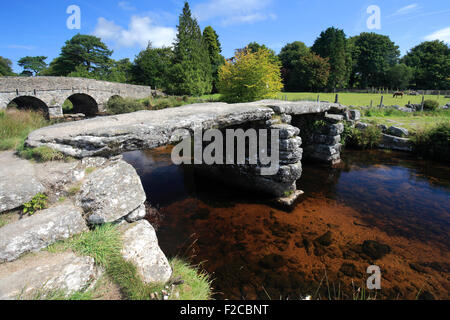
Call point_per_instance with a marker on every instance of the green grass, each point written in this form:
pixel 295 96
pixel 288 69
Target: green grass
pixel 104 245
pixel 361 99
pixel 15 125
pixel 42 154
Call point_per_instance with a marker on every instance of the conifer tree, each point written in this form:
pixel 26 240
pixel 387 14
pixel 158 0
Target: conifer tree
pixel 191 71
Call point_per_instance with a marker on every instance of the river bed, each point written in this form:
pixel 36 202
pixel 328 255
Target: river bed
pixel 253 250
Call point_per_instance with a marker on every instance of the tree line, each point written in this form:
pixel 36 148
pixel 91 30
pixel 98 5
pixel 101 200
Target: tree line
pixel 191 66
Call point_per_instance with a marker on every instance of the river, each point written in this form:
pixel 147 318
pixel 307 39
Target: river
pixel 253 250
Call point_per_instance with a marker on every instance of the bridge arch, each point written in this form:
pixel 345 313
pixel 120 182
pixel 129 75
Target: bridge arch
pixel 29 103
pixel 83 103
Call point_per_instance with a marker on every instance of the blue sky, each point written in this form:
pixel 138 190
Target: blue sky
pixel 39 27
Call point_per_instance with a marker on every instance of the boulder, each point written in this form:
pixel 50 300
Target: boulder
pixel 111 193
pixel 46 273
pixel 355 115
pixel 39 231
pixel 140 246
pixel 397 132
pixel 137 214
pixel 382 127
pixel 395 143
pixel 375 250
pixel 362 125
pixel 18 183
pixel 286 131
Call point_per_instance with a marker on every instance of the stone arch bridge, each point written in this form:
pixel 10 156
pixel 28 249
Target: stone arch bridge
pixel 48 94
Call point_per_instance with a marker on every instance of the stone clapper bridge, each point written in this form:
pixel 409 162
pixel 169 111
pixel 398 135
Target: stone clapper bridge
pixel 309 130
pixel 88 96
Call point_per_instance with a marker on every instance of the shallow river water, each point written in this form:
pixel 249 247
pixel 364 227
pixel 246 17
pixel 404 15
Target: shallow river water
pixel 253 250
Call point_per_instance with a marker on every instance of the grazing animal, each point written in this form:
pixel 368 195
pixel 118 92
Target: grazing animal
pixel 398 94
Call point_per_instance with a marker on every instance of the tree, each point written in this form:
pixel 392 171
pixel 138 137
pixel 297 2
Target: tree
pixel 373 55
pixel 250 76
pixel 191 72
pixel 35 65
pixel 5 67
pixel 82 50
pixel 431 63
pixel 211 40
pixel 309 73
pixel 152 67
pixel 399 76
pixel 332 44
pixel 255 47
pixel 289 54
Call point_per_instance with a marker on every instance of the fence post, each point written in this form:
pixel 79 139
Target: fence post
pixel 337 98
pixel 381 102
pixel 423 102
pixel 318 97
pixel 371 104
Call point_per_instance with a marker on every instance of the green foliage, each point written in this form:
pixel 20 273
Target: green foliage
pixel 39 202
pixel 251 76
pixel 372 54
pixel 82 50
pixel 152 67
pixel 191 73
pixel 5 67
pixel 399 76
pixel 255 47
pixel 211 40
pixel 368 138
pixel 433 143
pixel 119 105
pixel 15 125
pixel 431 61
pixel 310 73
pixel 332 44
pixel 33 64
pixel 430 105
pixel 41 154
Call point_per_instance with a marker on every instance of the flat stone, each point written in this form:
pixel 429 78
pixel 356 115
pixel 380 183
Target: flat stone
pixel 397 131
pixel 290 200
pixel 46 273
pixel 362 125
pixel 395 143
pixel 290 144
pixel 111 193
pixel 18 183
pixel 297 107
pixel 39 231
pixel 140 246
pixel 286 131
pixel 334 118
pixel 355 115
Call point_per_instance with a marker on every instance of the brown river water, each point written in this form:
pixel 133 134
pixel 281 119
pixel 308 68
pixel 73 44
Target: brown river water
pixel 253 250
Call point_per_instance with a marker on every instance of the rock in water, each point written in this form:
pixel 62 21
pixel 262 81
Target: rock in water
pixel 18 183
pixel 140 246
pixel 375 250
pixel 111 193
pixel 39 231
pixel 46 273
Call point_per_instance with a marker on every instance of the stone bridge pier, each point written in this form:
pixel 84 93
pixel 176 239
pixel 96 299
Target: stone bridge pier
pixel 48 94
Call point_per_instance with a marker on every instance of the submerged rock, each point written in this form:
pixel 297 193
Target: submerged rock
pixel 111 193
pixel 18 183
pixel 39 231
pixel 46 273
pixel 375 250
pixel 140 246
pixel 395 143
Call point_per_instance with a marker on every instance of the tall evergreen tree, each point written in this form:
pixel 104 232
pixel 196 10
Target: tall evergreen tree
pixel 211 40
pixel 191 71
pixel 332 44
pixel 5 67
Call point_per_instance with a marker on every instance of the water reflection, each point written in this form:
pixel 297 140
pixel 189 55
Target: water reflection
pixel 256 251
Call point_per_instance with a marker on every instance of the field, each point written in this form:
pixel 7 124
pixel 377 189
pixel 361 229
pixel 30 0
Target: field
pixel 361 99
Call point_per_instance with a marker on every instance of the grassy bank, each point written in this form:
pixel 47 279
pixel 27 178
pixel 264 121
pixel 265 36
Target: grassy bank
pixel 15 125
pixel 104 245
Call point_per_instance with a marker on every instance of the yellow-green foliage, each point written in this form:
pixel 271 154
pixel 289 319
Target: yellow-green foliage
pixel 41 154
pixel 250 77
pixel 38 202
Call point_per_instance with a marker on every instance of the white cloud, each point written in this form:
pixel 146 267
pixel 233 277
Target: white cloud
pixel 405 10
pixel 126 6
pixel 140 31
pixel 19 46
pixel 443 35
pixel 230 12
